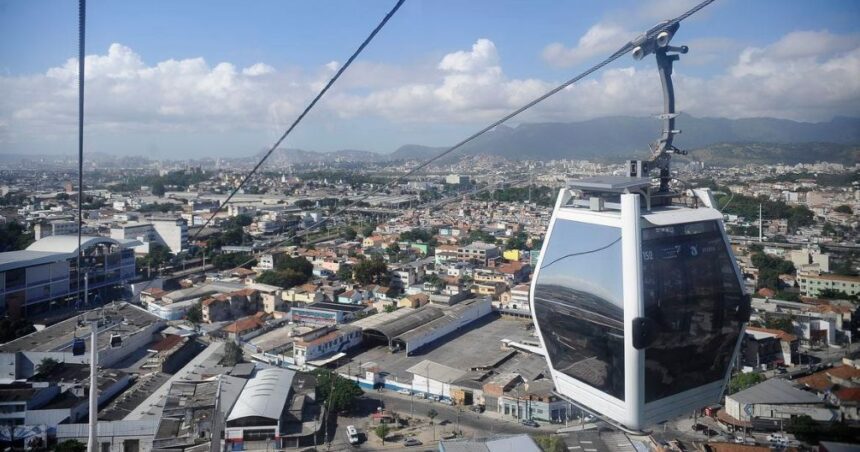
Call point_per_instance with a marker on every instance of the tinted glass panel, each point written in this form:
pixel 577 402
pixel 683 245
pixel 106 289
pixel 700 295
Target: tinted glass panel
pixel 692 294
pixel 579 304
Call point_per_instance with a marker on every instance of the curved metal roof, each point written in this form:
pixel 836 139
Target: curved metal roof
pixel 69 243
pixel 417 318
pixel 265 395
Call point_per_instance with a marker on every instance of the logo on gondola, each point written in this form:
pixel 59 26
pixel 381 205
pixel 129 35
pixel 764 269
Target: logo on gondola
pixel 693 250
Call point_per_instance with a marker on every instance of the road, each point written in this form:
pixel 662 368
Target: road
pixel 473 425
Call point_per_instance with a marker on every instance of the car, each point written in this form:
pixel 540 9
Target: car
pixel 478 408
pixel 738 439
pixel 408 442
pixel 405 391
pixel 420 395
pixel 589 418
pixel 776 437
pixel 529 423
pixel 447 401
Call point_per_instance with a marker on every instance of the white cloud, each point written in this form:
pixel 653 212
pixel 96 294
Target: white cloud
pixel 600 39
pixel 810 75
pixel 258 69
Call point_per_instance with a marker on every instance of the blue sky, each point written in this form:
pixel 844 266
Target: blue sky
pixel 224 78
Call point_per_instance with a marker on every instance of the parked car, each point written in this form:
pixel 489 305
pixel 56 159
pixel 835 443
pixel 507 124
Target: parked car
pixel 405 391
pixel 478 408
pixel 411 442
pixel 589 418
pixel 529 423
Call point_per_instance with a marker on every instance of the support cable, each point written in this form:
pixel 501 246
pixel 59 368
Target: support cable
pixel 307 109
pixel 626 48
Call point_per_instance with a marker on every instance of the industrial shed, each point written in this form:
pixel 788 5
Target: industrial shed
pixel 410 329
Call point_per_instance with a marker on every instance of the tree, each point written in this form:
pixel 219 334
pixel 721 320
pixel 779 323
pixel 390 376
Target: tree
pixel 833 294
pixel 551 443
pixel 382 430
pixel 744 380
pixel 297 264
pixel 349 234
pixel 339 393
pixel 432 414
pixel 371 271
pixel 226 261
pixel 13 329
pixel 390 308
pixel 232 354
pixel 367 231
pixel 195 313
pixel 780 323
pixel 344 273
pixel 282 278
pixel 71 445
pixel 844 209
pixel 393 250
pixel 47 365
pixel 14 237
pixel 158 189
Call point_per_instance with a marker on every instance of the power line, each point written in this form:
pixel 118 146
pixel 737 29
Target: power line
pixel 307 109
pixel 626 48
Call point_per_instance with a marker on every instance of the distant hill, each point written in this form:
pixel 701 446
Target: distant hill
pixel 736 154
pixel 628 136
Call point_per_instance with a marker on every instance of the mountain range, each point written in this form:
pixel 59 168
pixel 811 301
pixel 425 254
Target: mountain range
pixel 722 141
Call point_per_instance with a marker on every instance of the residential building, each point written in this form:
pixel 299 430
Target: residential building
pixel 479 252
pixel 325 342
pixel 811 284
pixel 772 404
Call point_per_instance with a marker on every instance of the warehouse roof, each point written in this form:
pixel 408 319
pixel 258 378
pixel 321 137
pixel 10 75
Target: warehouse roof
pixel 774 391
pixel 265 395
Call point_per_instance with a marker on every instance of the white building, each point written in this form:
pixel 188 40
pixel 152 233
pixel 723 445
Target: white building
pixel 172 233
pixel 60 227
pixel 325 342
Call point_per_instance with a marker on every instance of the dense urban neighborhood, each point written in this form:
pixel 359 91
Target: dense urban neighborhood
pixel 304 306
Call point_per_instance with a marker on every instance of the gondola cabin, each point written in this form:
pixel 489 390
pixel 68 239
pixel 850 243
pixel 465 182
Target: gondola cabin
pixel 637 300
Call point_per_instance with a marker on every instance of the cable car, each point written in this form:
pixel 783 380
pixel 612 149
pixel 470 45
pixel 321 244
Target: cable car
pixel 636 297
pixel 115 341
pixel 79 347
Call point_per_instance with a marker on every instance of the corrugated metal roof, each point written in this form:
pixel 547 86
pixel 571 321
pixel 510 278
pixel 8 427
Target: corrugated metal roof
pixel 435 371
pixel 108 429
pixel 265 395
pixel 774 391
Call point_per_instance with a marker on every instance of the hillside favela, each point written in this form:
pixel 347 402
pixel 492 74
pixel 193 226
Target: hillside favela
pixel 421 225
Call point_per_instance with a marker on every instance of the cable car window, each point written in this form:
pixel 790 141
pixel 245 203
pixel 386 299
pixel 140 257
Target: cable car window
pixel 692 294
pixel 578 302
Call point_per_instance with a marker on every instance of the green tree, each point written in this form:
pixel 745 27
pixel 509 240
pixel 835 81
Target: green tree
pixel 13 329
pixel 233 354
pixel 432 414
pixel 390 308
pixel 371 271
pixel 550 443
pixel 47 365
pixel 844 209
pixel 226 261
pixel 367 231
pixel 382 430
pixel 344 273
pixel 195 313
pixel 70 445
pixel 744 380
pixel 339 393
pixel 298 264
pixel 393 250
pixel 833 294
pixel 780 323
pixel 158 189
pixel 14 237
pixel 349 234
pixel 282 278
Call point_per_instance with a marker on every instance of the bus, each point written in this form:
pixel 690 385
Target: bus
pixel 351 434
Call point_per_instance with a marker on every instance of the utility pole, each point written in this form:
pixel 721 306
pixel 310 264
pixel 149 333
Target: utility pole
pixel 760 234
pixel 92 445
